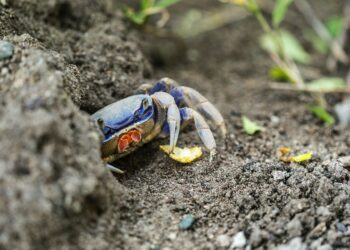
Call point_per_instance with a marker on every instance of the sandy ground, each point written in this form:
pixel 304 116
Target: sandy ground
pixel 56 191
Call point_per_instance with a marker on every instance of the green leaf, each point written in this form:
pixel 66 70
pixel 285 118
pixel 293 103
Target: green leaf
pixel 322 114
pixel 326 84
pixel 250 127
pixel 279 11
pixel 284 43
pixel 335 26
pixel 165 3
pixel 317 43
pixel 135 17
pixel 146 4
pixel 278 74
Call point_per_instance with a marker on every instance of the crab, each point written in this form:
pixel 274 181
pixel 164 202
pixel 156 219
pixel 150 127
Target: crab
pixel 162 110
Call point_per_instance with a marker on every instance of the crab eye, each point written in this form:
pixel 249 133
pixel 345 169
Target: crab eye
pixel 145 104
pixel 100 123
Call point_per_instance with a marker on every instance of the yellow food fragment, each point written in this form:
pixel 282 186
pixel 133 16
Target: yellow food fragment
pixel 183 155
pixel 302 158
pixel 284 150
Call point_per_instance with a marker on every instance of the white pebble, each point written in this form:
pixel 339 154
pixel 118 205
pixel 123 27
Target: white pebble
pixel 239 240
pixel 223 240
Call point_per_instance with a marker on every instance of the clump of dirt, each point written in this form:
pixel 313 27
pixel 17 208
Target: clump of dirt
pixel 53 184
pixel 56 193
pixel 97 47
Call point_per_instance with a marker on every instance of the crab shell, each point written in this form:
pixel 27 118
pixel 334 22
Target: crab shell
pixel 126 125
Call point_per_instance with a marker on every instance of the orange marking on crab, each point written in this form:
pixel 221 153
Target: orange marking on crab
pixel 128 138
pixel 135 136
pixel 123 144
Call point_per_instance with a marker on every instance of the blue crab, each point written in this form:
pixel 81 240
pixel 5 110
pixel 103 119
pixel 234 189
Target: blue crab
pixel 163 110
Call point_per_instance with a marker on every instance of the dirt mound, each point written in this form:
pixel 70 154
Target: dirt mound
pixel 55 190
pixel 101 54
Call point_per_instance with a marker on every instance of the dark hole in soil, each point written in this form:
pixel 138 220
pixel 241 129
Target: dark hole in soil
pixel 64 17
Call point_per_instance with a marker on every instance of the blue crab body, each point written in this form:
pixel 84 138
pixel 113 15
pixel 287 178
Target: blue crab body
pixel 135 113
pixel 165 109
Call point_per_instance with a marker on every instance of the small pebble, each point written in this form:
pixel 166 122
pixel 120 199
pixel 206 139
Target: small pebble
pixel 318 230
pixel 155 248
pixel 293 244
pixel 239 240
pixel 279 175
pixel 341 227
pixel 186 222
pixel 4 71
pixel 325 247
pixel 294 227
pixel 6 50
pixel 172 236
pixel 223 240
pixel 275 120
pixel 345 161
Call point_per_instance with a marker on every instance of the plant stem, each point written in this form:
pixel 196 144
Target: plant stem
pixel 309 14
pixel 261 19
pixel 288 66
pixel 282 86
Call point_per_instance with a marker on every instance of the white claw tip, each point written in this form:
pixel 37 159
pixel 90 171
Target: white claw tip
pixel 211 155
pixel 223 130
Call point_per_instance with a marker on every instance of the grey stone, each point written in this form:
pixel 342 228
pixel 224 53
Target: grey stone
pixel 239 240
pixel 223 240
pixel 293 244
pixel 279 175
pixel 6 50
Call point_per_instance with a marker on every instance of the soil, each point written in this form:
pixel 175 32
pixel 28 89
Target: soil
pixel 55 190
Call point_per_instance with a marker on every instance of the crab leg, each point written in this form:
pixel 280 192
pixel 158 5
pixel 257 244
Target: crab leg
pixel 163 85
pixel 173 115
pixel 203 130
pixel 193 99
pixel 114 169
pixel 188 97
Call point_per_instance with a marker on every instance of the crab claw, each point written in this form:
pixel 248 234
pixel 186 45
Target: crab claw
pixel 174 125
pixel 135 136
pixel 166 101
pixel 202 128
pixel 123 143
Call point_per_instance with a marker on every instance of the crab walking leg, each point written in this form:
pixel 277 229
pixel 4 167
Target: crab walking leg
pixel 188 97
pixel 163 85
pixel 166 101
pixel 114 169
pixel 203 130
pixel 193 99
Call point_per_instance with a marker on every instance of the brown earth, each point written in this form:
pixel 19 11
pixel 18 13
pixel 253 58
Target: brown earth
pixel 55 191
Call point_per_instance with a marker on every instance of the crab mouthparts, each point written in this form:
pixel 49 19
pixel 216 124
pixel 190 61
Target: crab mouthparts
pixel 128 138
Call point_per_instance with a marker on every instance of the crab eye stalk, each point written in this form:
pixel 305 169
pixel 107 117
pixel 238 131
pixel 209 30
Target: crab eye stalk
pixel 145 104
pixel 100 123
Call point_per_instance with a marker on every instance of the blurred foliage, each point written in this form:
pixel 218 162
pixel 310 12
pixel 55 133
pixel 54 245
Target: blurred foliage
pixel 250 127
pixel 279 74
pixel 322 114
pixel 147 8
pixel 285 45
pixel 335 25
pixel 326 84
pixel 279 11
